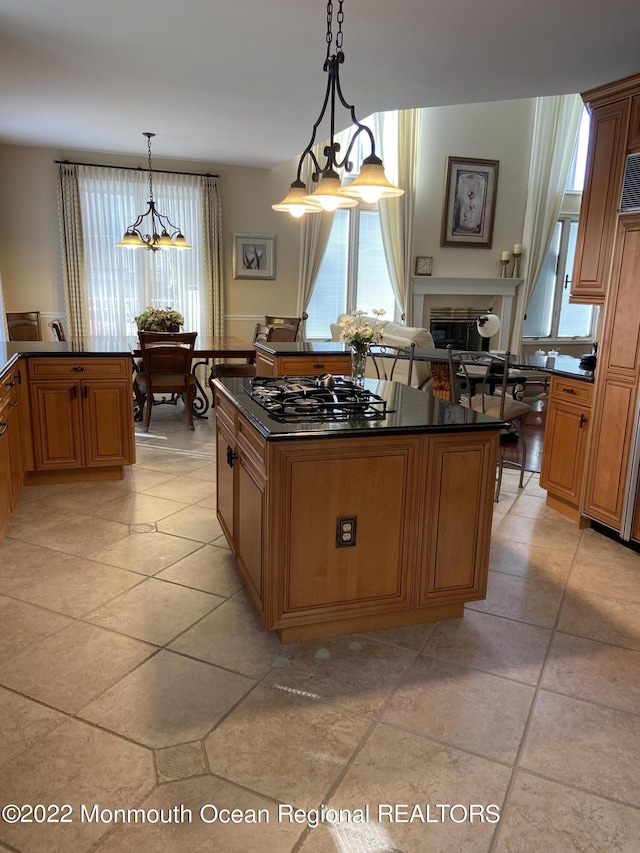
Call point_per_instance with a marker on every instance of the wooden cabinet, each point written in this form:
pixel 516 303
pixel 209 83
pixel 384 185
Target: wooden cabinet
pixel 12 418
pixel 267 364
pixel 565 443
pixel 5 469
pixel 600 199
pixel 417 510
pixel 241 480
pixel 82 412
pixel 617 378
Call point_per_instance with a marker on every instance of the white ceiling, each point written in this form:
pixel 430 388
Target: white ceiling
pixel 242 82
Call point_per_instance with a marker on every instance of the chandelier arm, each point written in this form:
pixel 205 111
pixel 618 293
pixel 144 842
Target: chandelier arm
pixel 307 150
pixel 361 127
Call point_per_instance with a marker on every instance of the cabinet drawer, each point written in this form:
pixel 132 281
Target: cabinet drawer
pixel 225 412
pixel 65 368
pixel 314 365
pixel 572 390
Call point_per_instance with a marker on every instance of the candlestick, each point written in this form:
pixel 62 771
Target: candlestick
pixel 504 261
pixel 516 261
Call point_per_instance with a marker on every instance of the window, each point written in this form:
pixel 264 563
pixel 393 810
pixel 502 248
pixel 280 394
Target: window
pixel 549 313
pixel 575 180
pixel 119 282
pixel 353 274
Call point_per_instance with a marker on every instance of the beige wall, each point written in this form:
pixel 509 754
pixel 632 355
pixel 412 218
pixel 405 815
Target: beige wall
pixel 30 260
pixel 29 237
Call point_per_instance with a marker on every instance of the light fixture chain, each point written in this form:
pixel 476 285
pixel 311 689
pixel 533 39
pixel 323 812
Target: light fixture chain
pixel 339 19
pixel 329 35
pixel 150 169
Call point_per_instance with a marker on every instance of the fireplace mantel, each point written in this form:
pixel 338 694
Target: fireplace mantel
pixel 505 288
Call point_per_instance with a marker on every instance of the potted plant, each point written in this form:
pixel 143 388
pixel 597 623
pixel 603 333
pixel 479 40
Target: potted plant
pixel 159 320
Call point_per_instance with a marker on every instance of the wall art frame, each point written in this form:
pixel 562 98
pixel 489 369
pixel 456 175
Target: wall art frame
pixel 254 256
pixel 471 187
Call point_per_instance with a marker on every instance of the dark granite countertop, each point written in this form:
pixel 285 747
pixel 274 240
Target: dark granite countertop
pixel 562 365
pixel 10 351
pixel 408 411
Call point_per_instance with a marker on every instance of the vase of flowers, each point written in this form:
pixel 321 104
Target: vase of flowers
pixel 159 320
pixel 359 332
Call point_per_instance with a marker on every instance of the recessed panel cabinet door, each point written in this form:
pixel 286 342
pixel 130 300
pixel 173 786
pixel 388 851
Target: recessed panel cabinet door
pixel 107 408
pixel 225 460
pixel 57 424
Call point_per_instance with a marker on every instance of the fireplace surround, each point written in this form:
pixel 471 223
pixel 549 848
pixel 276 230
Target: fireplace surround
pixel 483 292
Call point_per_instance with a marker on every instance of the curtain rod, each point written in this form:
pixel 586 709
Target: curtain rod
pixel 137 169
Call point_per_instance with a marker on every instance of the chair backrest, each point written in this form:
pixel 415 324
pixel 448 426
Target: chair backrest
pixel 482 376
pixel 24 325
pixel 284 321
pixel 57 329
pixel 277 332
pixel 394 363
pixel 166 353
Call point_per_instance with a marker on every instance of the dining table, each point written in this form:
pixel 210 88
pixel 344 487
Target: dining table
pixel 207 349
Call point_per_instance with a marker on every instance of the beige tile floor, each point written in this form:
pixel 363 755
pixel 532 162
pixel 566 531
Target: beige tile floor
pixel 135 674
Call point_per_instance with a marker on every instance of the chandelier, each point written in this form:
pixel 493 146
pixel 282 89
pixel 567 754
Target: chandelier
pixel 161 233
pixel 371 184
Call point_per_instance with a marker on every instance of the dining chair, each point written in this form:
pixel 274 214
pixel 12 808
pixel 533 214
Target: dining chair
pixel 394 363
pixel 480 381
pixel 279 332
pixel 24 326
pixel 166 369
pixel 285 321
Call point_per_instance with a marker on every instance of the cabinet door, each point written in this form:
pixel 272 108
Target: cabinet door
pixel 15 452
pixel 5 474
pixel 57 424
pixel 564 450
pixel 600 199
pixel 225 462
pixel 617 380
pixel 107 410
pixel 249 525
pixel 457 510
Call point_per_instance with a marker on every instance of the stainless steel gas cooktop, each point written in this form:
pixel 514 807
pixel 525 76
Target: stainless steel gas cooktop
pixel 297 399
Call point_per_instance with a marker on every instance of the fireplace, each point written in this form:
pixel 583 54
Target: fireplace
pixel 500 293
pixel 457 326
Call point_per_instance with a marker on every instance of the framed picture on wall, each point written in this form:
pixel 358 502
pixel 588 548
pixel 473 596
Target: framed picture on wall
pixel 469 202
pixel 254 256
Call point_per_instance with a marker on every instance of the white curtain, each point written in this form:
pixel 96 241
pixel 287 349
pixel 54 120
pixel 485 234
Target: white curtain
pixel 399 133
pixel 120 283
pixel 555 135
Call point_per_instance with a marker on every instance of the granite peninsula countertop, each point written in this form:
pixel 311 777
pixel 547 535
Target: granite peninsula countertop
pixel 11 351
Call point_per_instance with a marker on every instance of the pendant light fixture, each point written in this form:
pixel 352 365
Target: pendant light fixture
pixel 161 232
pixel 371 184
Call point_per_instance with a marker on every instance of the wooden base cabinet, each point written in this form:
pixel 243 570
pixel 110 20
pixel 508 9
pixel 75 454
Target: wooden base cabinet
pixel 338 364
pixel 355 533
pixel 565 444
pixel 82 413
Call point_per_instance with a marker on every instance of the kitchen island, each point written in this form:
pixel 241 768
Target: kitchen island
pixel 356 524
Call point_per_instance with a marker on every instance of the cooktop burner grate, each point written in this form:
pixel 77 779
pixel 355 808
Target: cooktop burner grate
pixel 299 399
